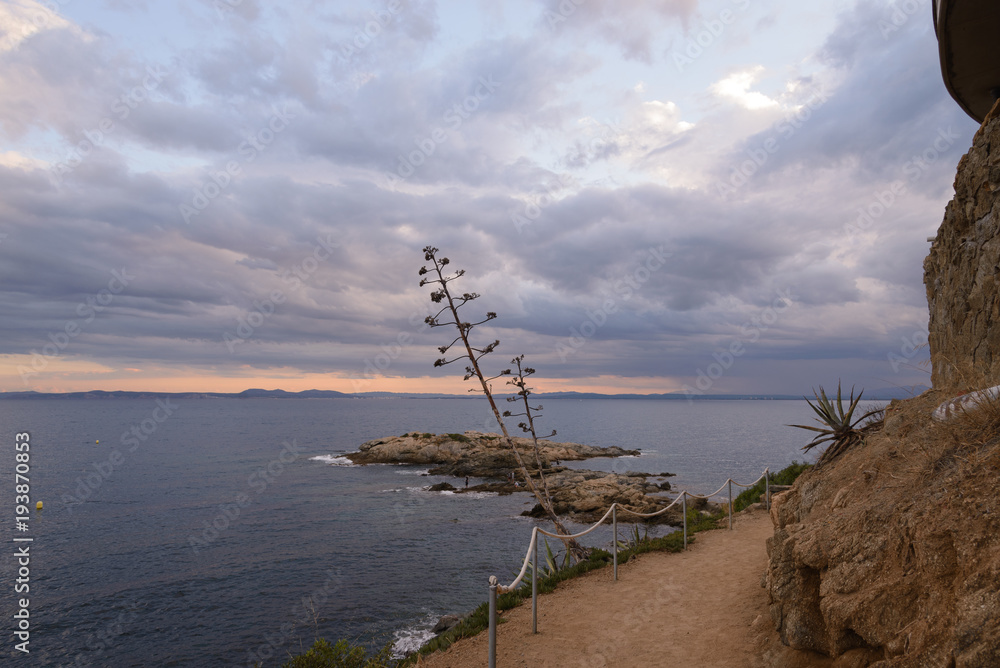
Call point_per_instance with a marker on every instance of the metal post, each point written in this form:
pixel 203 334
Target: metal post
pixel 493 621
pixel 730 504
pixel 767 489
pixel 684 510
pixel 534 585
pixel 614 523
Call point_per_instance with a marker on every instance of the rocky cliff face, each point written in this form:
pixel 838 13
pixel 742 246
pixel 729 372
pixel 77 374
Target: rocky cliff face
pixel 889 556
pixel 962 272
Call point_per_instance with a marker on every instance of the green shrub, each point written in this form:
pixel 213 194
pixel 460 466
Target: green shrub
pixel 341 655
pixel 461 438
pixel 785 476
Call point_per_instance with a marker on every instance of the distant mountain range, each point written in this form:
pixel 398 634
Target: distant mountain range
pixel 883 394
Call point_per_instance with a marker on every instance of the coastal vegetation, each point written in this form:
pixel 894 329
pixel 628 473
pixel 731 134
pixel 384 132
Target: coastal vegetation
pixel 341 655
pixel 839 426
pixel 785 476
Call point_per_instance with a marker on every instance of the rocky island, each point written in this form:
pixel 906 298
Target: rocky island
pixel 579 494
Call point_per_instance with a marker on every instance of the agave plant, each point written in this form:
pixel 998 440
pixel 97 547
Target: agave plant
pixel 552 565
pixel 634 540
pixel 841 429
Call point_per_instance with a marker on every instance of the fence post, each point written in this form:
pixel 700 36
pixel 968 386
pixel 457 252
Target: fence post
pixel 614 523
pixel 767 489
pixel 493 622
pixel 684 510
pixel 534 584
pixel 730 504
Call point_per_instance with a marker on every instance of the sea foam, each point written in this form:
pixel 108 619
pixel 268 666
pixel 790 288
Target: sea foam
pixel 333 460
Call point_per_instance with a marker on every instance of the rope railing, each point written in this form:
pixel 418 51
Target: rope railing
pixel 531 557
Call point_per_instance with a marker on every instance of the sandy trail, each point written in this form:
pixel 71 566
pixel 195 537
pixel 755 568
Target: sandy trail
pixel 689 609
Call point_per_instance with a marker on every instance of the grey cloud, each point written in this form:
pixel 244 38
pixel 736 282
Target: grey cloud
pixel 631 25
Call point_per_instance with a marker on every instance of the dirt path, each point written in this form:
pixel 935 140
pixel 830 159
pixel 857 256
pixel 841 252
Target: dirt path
pixel 688 609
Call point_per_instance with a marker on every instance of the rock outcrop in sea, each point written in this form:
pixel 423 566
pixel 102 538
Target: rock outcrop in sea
pixel 579 494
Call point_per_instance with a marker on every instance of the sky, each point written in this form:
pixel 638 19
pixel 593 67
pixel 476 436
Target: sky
pixel 731 196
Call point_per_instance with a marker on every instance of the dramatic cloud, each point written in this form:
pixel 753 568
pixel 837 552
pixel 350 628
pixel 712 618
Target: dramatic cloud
pixel 229 194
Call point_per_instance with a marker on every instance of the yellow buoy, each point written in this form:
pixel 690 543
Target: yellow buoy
pixel 97 441
pixel 38 505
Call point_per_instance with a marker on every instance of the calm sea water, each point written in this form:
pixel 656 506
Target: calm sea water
pixel 201 538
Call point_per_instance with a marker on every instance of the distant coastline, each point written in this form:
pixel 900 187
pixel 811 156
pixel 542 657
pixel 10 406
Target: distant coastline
pixel 882 394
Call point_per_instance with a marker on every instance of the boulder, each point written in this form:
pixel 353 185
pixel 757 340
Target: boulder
pixel 442 487
pixel 446 623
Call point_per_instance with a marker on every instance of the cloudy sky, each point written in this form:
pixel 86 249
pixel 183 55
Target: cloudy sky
pixel 723 196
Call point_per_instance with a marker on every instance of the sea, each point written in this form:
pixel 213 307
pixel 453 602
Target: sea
pixel 232 532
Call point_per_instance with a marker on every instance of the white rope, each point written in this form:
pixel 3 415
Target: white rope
pixel 535 531
pixel 582 533
pixel 534 538
pixel 658 512
pixel 524 567
pixel 708 496
pixel 739 484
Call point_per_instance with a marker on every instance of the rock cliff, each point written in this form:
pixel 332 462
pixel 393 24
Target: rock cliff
pixel 889 556
pixel 962 272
